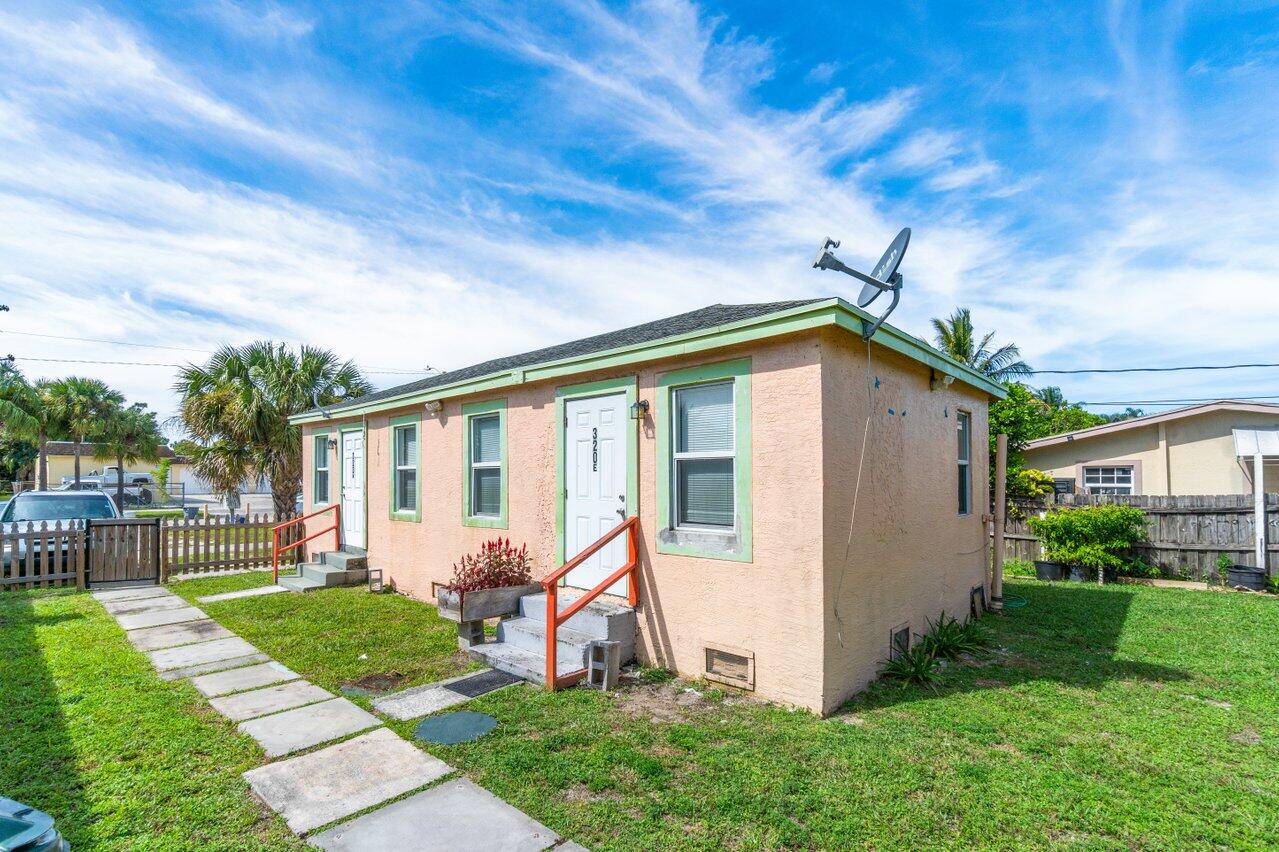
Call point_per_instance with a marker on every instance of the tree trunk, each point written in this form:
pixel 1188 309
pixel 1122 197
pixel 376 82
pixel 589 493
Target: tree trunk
pixel 79 439
pixel 43 466
pixel 119 483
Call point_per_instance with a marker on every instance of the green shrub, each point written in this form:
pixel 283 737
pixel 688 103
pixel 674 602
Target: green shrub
pixel 948 637
pixel 1097 537
pixel 914 666
pixel 1019 568
pixel 1223 566
pixel 653 674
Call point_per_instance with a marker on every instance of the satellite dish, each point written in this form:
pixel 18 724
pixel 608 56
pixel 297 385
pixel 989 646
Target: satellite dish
pixel 884 277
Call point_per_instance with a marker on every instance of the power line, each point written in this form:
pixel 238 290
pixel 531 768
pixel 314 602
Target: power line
pixel 176 366
pixel 100 340
pixel 1175 401
pixel 1148 369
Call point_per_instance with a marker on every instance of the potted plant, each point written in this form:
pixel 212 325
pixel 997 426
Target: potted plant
pixel 1087 541
pixel 488 584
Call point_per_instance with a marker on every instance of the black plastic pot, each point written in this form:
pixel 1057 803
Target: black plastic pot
pixel 1048 570
pixel 1247 577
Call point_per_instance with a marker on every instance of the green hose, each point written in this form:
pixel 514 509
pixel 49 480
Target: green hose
pixel 1015 602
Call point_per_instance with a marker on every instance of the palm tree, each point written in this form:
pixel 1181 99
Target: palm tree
pixel 955 337
pixel 237 406
pixel 81 405
pixel 131 435
pixel 1052 397
pixel 27 411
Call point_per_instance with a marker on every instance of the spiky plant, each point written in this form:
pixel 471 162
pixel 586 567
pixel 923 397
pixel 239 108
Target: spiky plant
pixel 238 404
pixel 955 336
pixel 915 666
pixel 950 638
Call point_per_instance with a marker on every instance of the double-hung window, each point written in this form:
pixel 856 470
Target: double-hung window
pixel 1110 479
pixel 964 429
pixel 404 469
pixel 320 470
pixel 484 457
pixel 704 456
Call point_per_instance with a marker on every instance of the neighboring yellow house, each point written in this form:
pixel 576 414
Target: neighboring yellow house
pixel 1184 451
pixel 61 461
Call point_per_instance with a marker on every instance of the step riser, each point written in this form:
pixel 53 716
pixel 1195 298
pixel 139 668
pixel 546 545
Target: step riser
pixel 532 675
pixel 617 626
pixel 330 576
pixel 345 561
pixel 535 643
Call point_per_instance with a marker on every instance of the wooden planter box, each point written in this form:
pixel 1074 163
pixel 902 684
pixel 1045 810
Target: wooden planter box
pixel 482 603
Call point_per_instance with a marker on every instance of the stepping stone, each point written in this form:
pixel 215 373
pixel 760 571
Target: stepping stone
pixel 238 680
pixel 421 700
pixel 243 593
pixel 136 593
pixel 318 788
pixel 307 726
pixel 454 815
pixel 159 617
pixel 272 699
pixel 215 666
pixel 203 652
pixel 169 635
pixel 145 605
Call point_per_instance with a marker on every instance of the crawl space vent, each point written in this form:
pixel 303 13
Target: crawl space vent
pixel 731 666
pixel 898 642
pixel 977 601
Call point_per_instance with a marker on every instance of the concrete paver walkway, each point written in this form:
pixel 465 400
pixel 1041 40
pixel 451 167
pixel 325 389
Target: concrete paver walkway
pixel 242 593
pixel 286 714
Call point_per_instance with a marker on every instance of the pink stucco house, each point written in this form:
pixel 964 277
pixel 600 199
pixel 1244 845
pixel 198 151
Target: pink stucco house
pixel 804 498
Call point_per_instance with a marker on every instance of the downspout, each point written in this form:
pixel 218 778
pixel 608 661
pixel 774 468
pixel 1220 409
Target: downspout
pixel 1163 445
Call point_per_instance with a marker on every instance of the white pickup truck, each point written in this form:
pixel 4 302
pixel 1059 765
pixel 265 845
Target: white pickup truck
pixel 110 477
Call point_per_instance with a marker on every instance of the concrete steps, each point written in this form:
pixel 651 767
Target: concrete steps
pixel 520 648
pixel 335 568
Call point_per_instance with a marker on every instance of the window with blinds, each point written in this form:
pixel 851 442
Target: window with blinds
pixel 486 466
pixel 404 487
pixel 704 457
pixel 320 472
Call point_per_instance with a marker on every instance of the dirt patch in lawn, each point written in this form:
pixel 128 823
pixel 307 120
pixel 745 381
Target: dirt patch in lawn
pixel 660 702
pixel 582 793
pixel 382 682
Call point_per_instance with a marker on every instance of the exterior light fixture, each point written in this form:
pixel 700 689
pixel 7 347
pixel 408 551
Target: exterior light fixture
pixel 939 382
pixel 333 444
pixel 639 409
pixel 434 406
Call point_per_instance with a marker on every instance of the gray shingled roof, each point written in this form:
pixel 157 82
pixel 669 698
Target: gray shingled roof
pixel 708 317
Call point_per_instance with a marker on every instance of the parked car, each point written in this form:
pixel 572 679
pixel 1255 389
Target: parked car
pixel 51 507
pixel 25 829
pixel 134 495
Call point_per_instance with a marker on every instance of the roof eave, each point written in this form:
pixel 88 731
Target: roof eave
pixel 1152 420
pixel 832 311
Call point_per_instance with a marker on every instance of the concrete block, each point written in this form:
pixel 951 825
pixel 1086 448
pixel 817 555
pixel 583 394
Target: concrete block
pixel 155 618
pixel 171 635
pixel 202 652
pixel 238 680
pixel 327 785
pixel 308 726
pixel 271 699
pixel 455 815
pixel 215 666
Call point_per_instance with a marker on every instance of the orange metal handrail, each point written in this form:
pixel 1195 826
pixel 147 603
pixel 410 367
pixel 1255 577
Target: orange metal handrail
pixel 554 618
pixel 276 549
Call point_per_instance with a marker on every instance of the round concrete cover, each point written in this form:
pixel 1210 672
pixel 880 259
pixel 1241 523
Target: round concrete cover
pixel 453 728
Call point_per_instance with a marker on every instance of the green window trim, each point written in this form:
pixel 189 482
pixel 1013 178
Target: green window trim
pixel 604 387
pixel 395 424
pixel 738 545
pixel 470 411
pixel 316 435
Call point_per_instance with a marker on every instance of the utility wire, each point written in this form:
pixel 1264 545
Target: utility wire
pixel 100 340
pixel 1175 401
pixel 1148 369
pixel 177 366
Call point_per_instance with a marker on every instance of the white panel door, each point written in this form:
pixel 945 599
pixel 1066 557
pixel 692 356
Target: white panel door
pixel 595 478
pixel 353 489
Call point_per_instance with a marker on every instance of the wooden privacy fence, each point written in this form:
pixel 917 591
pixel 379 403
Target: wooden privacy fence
pixel 80 553
pixel 1187 533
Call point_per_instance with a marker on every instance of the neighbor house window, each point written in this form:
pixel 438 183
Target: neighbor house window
pixel 320 478
pixel 1108 480
pixel 704 455
pixel 404 468
pixel 964 429
pixel 485 464
pixel 703 425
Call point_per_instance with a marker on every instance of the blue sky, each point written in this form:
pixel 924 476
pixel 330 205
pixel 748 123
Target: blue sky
pixel 436 184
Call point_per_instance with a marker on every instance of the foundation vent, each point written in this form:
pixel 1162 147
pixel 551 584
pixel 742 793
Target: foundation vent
pixel 898 641
pixel 732 666
pixel 977 601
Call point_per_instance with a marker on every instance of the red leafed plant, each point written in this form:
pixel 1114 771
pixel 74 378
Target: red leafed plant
pixel 497 564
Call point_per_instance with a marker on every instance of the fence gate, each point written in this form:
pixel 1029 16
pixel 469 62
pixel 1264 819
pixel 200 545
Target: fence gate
pixel 123 549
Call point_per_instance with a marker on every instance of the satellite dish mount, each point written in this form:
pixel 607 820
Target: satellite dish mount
pixel 884 278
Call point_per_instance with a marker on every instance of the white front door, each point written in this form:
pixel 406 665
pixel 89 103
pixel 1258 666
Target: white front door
pixel 595 486
pixel 353 489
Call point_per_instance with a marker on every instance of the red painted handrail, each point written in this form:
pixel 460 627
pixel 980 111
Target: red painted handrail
pixel 554 618
pixel 276 549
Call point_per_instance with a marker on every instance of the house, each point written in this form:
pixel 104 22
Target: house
pixel 1187 450
pixel 60 458
pixel 804 498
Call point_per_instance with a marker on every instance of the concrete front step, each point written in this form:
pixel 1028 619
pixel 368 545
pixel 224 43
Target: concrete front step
pixel 529 635
pixel 301 584
pixel 319 575
pixel 597 620
pixel 345 560
pixel 519 662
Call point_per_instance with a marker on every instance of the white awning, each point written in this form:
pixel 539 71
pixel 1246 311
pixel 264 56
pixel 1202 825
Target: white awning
pixel 1251 442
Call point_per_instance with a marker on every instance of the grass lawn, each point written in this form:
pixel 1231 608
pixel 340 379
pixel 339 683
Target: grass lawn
pixel 121 759
pixel 1118 717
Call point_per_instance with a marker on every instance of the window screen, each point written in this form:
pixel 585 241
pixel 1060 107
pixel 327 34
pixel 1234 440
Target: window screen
pixel 406 457
pixel 486 465
pixel 964 431
pixel 704 455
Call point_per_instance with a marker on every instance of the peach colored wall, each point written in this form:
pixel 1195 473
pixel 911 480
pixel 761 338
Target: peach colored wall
pixel 910 554
pixel 773 605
